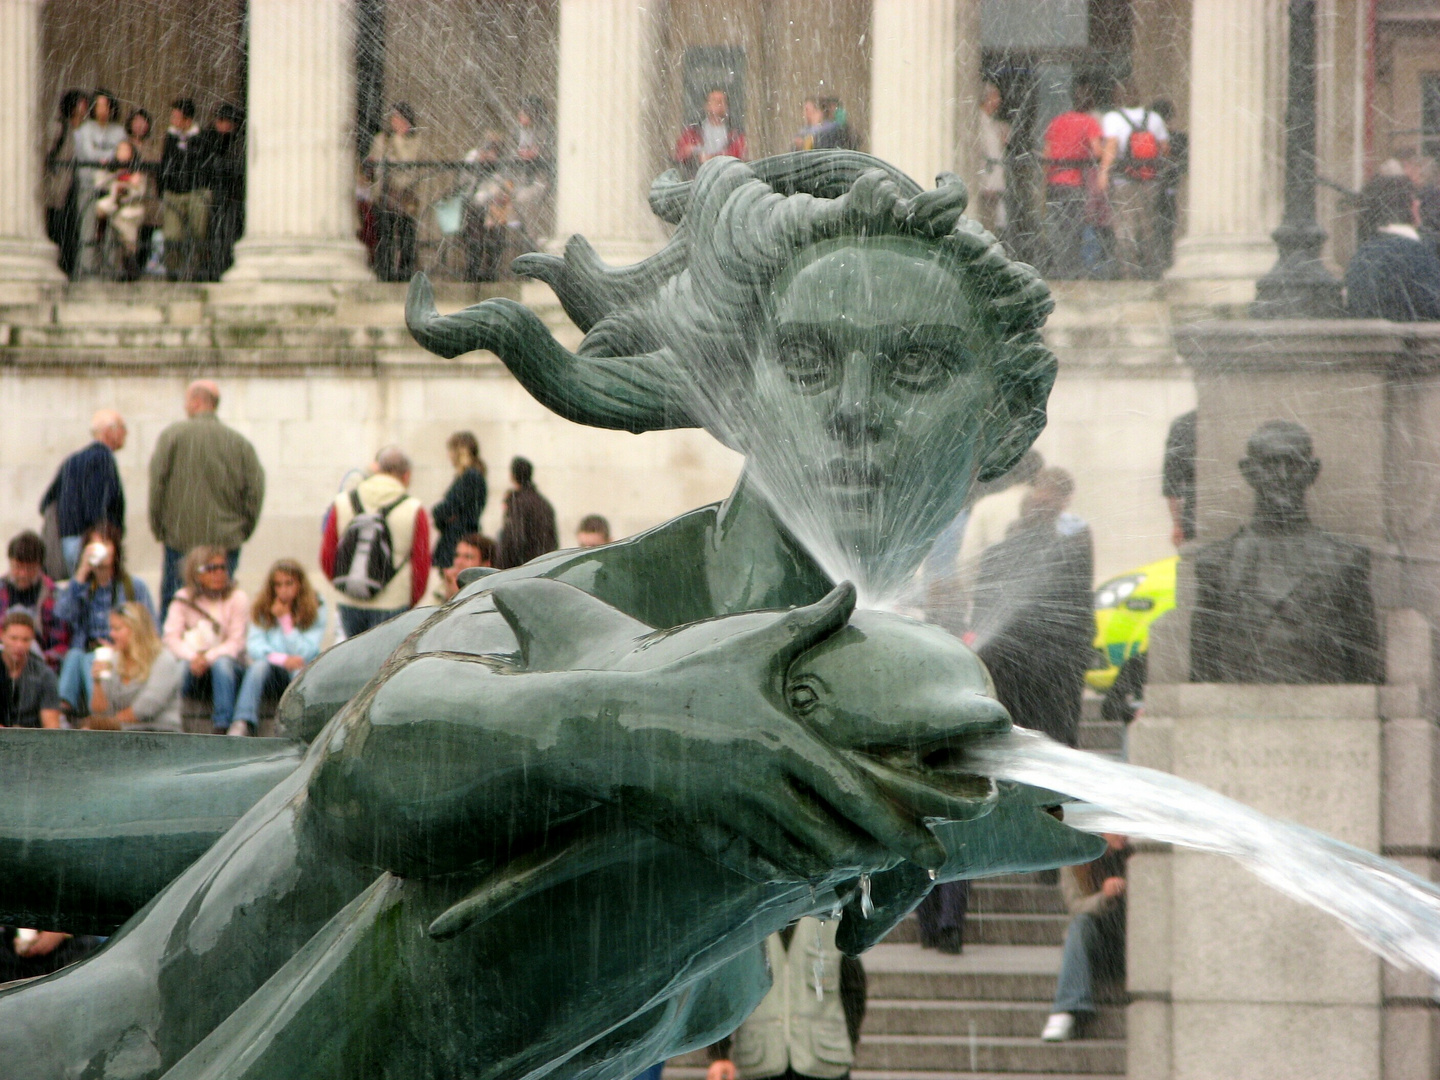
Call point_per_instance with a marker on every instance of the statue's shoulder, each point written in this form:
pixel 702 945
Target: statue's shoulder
pixel 1336 550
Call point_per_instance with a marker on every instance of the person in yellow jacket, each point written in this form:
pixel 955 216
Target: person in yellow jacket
pixel 809 1023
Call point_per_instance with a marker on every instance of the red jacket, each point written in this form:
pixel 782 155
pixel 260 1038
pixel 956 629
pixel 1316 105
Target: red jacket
pixel 692 139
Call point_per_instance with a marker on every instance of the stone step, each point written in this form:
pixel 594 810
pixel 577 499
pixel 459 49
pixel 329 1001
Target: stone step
pixel 993 1053
pixel 1016 1019
pixel 906 972
pixel 987 897
pixel 1101 735
pixel 675 1071
pixel 1002 928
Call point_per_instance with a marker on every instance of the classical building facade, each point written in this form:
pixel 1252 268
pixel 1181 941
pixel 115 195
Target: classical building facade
pixel 618 78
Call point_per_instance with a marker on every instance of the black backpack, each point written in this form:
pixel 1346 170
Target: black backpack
pixel 365 558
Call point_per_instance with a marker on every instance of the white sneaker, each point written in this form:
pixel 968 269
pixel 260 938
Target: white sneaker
pixel 1059 1028
pixel 239 727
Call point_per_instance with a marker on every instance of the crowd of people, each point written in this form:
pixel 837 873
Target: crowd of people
pixel 120 202
pixel 86 643
pixel 1111 174
pixel 494 203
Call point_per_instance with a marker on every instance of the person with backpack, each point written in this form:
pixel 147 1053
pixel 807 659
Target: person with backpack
pixel 1136 143
pixel 375 546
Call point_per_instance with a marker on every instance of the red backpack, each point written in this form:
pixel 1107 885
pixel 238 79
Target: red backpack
pixel 1140 147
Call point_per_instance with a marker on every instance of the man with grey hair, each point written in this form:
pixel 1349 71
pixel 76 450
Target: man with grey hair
pixel 86 490
pixel 375 547
pixel 206 486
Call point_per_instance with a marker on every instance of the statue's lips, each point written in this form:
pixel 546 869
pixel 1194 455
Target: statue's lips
pixel 936 792
pixel 854 483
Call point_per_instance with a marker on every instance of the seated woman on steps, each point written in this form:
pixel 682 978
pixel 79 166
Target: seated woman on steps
pixel 135 682
pixel 286 625
pixel 205 629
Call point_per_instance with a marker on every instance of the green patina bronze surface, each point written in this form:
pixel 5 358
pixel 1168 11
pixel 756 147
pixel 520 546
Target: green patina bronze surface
pixel 548 826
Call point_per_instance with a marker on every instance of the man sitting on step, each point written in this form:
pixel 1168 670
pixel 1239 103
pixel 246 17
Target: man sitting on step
pixel 1095 940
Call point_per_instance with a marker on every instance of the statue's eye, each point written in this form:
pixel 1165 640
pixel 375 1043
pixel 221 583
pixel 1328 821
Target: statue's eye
pixel 919 368
pixel 802 697
pixel 808 364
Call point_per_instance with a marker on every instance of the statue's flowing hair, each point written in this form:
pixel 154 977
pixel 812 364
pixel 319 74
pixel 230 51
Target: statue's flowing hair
pixel 689 316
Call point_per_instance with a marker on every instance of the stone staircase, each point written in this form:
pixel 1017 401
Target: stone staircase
pixel 978 1016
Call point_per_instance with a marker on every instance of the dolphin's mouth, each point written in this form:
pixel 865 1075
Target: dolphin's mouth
pixel 931 785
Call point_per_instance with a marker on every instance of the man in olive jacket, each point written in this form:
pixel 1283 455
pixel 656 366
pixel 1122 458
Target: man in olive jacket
pixel 206 486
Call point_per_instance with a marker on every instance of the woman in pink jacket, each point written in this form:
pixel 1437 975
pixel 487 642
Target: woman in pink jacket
pixel 205 628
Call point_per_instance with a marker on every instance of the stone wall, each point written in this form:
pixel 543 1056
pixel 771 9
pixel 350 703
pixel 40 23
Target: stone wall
pixel 319 384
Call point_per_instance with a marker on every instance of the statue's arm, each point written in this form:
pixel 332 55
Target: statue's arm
pixel 1206 662
pixel 1357 630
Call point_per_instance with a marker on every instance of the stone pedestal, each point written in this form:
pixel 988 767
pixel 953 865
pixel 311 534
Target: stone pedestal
pixel 1237 98
pixel 925 86
pixel 300 182
pixel 26 256
pixel 1230 979
pixel 604 157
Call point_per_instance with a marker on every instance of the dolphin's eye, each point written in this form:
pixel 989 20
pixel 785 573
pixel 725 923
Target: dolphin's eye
pixel 801 697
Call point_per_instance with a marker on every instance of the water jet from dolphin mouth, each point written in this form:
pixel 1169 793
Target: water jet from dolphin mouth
pixel 1391 911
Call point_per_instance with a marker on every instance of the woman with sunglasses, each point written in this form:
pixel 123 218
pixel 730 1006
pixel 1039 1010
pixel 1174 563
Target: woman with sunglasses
pixel 205 629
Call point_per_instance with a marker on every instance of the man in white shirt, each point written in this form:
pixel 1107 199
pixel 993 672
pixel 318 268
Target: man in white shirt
pixel 1136 142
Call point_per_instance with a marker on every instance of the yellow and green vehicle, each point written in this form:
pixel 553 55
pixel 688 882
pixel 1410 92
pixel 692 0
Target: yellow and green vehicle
pixel 1125 606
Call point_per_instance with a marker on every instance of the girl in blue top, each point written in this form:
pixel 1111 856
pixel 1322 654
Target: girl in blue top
pixel 286 625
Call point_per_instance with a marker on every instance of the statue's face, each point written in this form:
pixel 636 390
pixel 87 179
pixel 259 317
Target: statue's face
pixel 872 396
pixel 1280 467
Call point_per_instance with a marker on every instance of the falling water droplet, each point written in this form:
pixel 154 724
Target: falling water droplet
pixel 867 906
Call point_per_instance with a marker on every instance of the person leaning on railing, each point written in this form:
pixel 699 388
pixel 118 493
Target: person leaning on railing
pixel 396 192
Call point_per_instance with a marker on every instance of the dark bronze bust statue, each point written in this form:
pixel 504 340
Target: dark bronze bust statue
pixel 1282 601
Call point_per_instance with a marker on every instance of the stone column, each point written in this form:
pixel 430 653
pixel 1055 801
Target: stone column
pixel 604 157
pixel 924 86
pixel 25 254
pixel 299 196
pixel 1237 110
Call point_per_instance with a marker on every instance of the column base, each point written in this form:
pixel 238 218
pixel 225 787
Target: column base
pixel 1219 271
pixel 27 262
pixel 299 260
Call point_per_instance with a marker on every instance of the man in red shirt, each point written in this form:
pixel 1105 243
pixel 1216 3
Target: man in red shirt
pixel 711 137
pixel 1072 146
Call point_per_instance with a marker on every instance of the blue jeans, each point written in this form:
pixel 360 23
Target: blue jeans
pixel 70 552
pixel 75 682
pixel 260 676
pixel 171 579
pixel 357 620
pixel 221 680
pixel 1094 950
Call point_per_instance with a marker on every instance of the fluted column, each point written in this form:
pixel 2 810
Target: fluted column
pixel 300 182
pixel 1237 108
pixel 924 85
pixel 25 253
pixel 603 156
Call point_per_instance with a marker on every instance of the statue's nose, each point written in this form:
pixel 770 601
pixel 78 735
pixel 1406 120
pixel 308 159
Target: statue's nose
pixel 853 420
